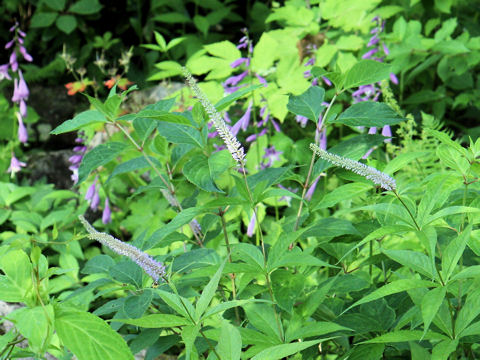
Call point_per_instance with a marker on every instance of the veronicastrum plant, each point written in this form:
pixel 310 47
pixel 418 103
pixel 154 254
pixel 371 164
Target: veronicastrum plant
pixel 376 264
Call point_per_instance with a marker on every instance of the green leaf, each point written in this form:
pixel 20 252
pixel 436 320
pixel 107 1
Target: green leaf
pixel 163 115
pixel 132 165
pixel 17 281
pixel 198 171
pixel 341 193
pixel 227 100
pixel 453 252
pixel 98 264
pixel 177 303
pixel 368 113
pixel 313 328
pixel 281 351
pixel 469 311
pixel 88 336
pixel 367 352
pixel 414 260
pixel 33 324
pixel 208 293
pixel 366 72
pixel 57 5
pixel 154 321
pixel 136 305
pixel 405 335
pixel 127 272
pixel 248 253
pixel 189 335
pixel 83 119
pixel 42 19
pixel 262 317
pixel 181 134
pixel 308 104
pixel 144 127
pixel 66 23
pixel 443 349
pixel 99 156
pixel 230 342
pixel 201 23
pixel 85 7
pixel 394 287
pixel 430 304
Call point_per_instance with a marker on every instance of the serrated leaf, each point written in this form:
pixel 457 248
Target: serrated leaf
pixel 308 104
pixel 208 293
pixel 99 156
pixel 281 351
pixel 201 170
pixel 453 252
pixel 85 7
pixel 366 72
pixel 66 23
pixel 394 287
pixel 368 113
pixel 430 304
pixel 155 321
pixel 88 336
pixel 85 118
pixel 414 260
pixel 181 134
pixel 262 317
pixel 230 342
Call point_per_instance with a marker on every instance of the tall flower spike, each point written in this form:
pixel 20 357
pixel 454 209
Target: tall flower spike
pixel 233 145
pixel 155 269
pixel 370 173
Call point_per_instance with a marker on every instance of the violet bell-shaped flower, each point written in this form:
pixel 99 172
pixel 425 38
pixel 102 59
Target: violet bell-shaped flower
pixel 20 89
pixel 107 213
pixel 15 165
pixel 22 130
pixel 4 72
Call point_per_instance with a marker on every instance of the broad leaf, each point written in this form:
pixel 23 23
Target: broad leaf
pixel 368 113
pixel 181 134
pixel 230 342
pixel 98 156
pixel 88 336
pixel 83 119
pixel 366 72
pixel 308 104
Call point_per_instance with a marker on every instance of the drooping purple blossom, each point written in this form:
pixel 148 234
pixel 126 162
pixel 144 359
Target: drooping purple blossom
pixel 15 165
pixel 107 213
pixel 22 130
pixel 251 225
pixel 4 72
pixel 76 159
pixel 271 155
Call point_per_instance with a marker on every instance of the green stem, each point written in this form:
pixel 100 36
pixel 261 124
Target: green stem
pixel 312 162
pixel 408 210
pixel 232 275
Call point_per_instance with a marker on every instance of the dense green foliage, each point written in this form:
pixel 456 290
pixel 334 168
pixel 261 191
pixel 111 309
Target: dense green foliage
pixel 258 214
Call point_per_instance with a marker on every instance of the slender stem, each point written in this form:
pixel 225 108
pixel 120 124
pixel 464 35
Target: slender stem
pixel 169 185
pixel 408 210
pixel 312 162
pixel 221 213
pixel 267 275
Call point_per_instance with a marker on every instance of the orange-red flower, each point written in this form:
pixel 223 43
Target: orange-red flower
pixel 122 83
pixel 78 86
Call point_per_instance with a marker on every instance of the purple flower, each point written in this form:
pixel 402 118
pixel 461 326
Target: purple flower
pixel 20 89
pixel 13 61
pixel 15 165
pixel 234 80
pixel 307 74
pixel 4 72
pixel 22 130
pixel 261 79
pixel 387 132
pixel 239 62
pixel 256 136
pixel 23 108
pixel 394 78
pixel 369 54
pixel 9 44
pixel 271 155
pixel 302 120
pixel 251 226
pixel 91 190
pixel 243 121
pixel 326 81
pixel 310 61
pixel 25 54
pixel 95 200
pixel 311 189
pixel 107 214
pixel 373 40
pixel 385 49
